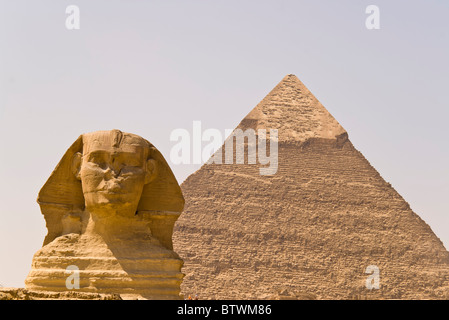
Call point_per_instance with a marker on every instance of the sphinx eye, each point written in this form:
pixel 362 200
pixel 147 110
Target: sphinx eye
pixel 132 163
pixel 97 159
pixel 129 161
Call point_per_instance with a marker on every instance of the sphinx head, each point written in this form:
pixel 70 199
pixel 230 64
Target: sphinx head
pixel 113 168
pixel 105 174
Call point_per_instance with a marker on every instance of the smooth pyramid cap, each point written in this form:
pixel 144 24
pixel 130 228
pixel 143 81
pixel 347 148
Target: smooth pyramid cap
pixel 295 112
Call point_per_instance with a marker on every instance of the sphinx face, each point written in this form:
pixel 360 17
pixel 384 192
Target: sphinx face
pixel 113 171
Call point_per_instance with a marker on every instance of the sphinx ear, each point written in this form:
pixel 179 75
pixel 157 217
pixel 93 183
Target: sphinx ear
pixel 151 170
pixel 76 165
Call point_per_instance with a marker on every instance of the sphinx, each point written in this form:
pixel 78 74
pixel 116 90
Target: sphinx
pixel 110 206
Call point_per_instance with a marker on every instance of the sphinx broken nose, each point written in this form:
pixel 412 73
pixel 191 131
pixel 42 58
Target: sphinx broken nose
pixel 113 186
pixel 113 173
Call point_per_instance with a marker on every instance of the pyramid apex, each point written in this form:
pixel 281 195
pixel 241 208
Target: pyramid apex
pixel 290 77
pixel 295 112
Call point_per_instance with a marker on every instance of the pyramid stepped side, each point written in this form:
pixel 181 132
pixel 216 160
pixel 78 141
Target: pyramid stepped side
pixel 314 228
pixel 311 229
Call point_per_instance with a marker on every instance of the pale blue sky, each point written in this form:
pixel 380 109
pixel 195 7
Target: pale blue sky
pixel 148 67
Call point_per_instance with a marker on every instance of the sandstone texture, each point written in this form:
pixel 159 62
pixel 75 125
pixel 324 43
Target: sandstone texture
pixel 310 230
pixel 110 207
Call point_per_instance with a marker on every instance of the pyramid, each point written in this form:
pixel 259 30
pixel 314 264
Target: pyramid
pixel 318 228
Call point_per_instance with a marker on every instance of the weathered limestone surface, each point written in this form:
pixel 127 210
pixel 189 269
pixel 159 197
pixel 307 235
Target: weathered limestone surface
pixel 24 294
pixel 110 207
pixel 310 229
